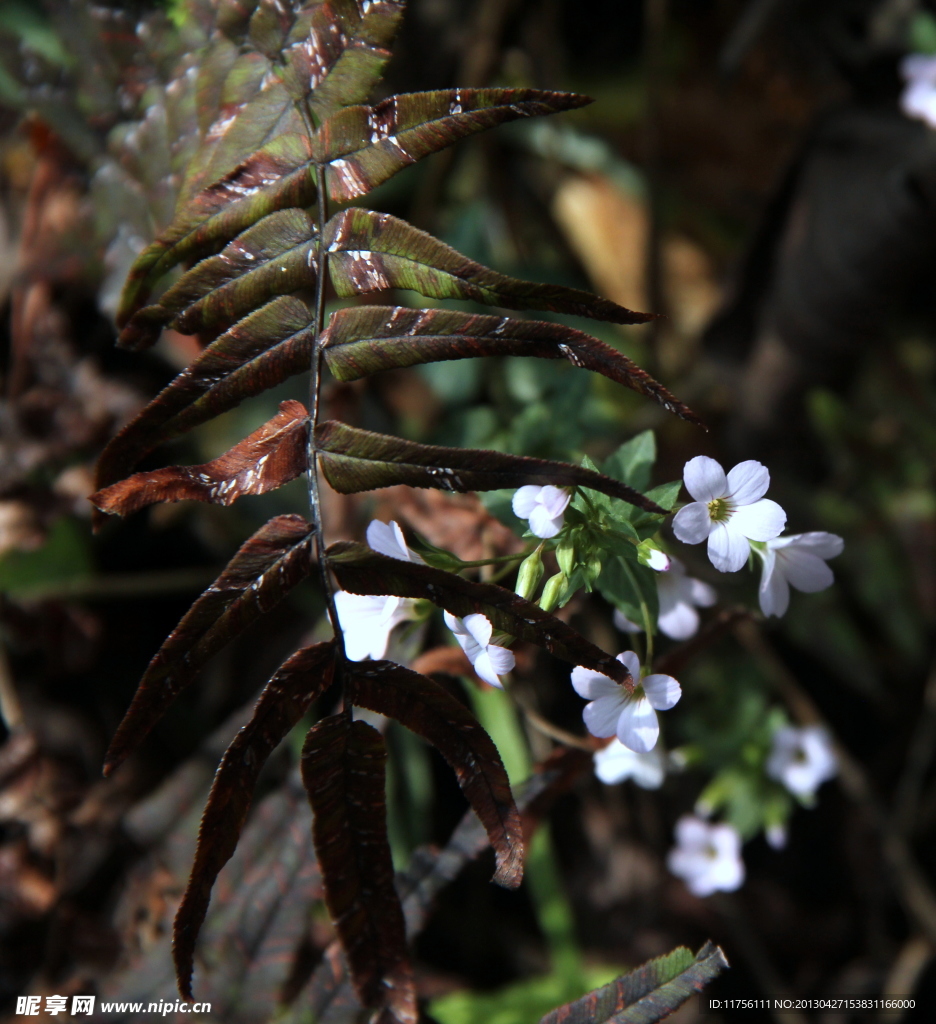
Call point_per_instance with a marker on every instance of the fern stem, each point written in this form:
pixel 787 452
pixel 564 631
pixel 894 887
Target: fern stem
pixel 315 388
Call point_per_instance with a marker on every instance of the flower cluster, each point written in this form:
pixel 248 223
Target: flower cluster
pixel 732 514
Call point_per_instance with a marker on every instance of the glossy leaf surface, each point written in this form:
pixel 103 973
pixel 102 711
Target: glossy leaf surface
pixel 256 354
pixel 372 251
pixel 362 147
pixel 285 699
pixel 270 457
pixel 360 570
pixel 648 994
pixel 256 579
pixel 366 339
pixel 343 769
pixel 358 460
pixel 276 177
pixel 427 709
pixel 329 54
pixel 274 257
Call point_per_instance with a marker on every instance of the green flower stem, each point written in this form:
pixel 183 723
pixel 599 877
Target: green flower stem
pixel 498 715
pixel 644 611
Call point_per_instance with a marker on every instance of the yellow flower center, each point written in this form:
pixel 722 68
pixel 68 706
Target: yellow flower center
pixel 719 510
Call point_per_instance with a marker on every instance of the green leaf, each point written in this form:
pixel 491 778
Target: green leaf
pixel 366 339
pixel 358 460
pixel 633 461
pixel 423 706
pixel 258 353
pixel 373 251
pixel 275 256
pixel 648 994
pixel 625 584
pixel 258 577
pixel 343 769
pixel 283 702
pixel 360 570
pixel 644 525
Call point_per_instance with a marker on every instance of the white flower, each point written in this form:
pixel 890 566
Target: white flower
pixel 727 511
pixel 615 763
pixel 919 97
pixel 706 857
pixel 632 717
pixel 543 506
pixel 802 759
pixel 367 620
pixel 679 595
pixel 796 561
pixel 473 634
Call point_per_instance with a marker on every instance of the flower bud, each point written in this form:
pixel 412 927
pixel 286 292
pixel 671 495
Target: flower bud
pixel 552 592
pixel 530 574
pixel 565 555
pixel 650 555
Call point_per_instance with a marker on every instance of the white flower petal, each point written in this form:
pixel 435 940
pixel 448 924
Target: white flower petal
pixel 701 594
pixel 658 560
pixel 728 549
pixel 704 479
pixel 804 570
pixel 615 763
pixel 631 662
pixel 774 591
pixel 692 523
pixel 638 727
pixel 592 685
pixel 454 624
pixel 485 670
pixel 663 692
pixel 763 520
pixel 501 658
pixel 678 621
pixel 365 624
pixel 747 482
pixel 554 499
pixel 387 539
pixel 524 501
pixel 601 716
pixel 544 525
pixel 479 626
pixel 692 832
pixel 819 543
